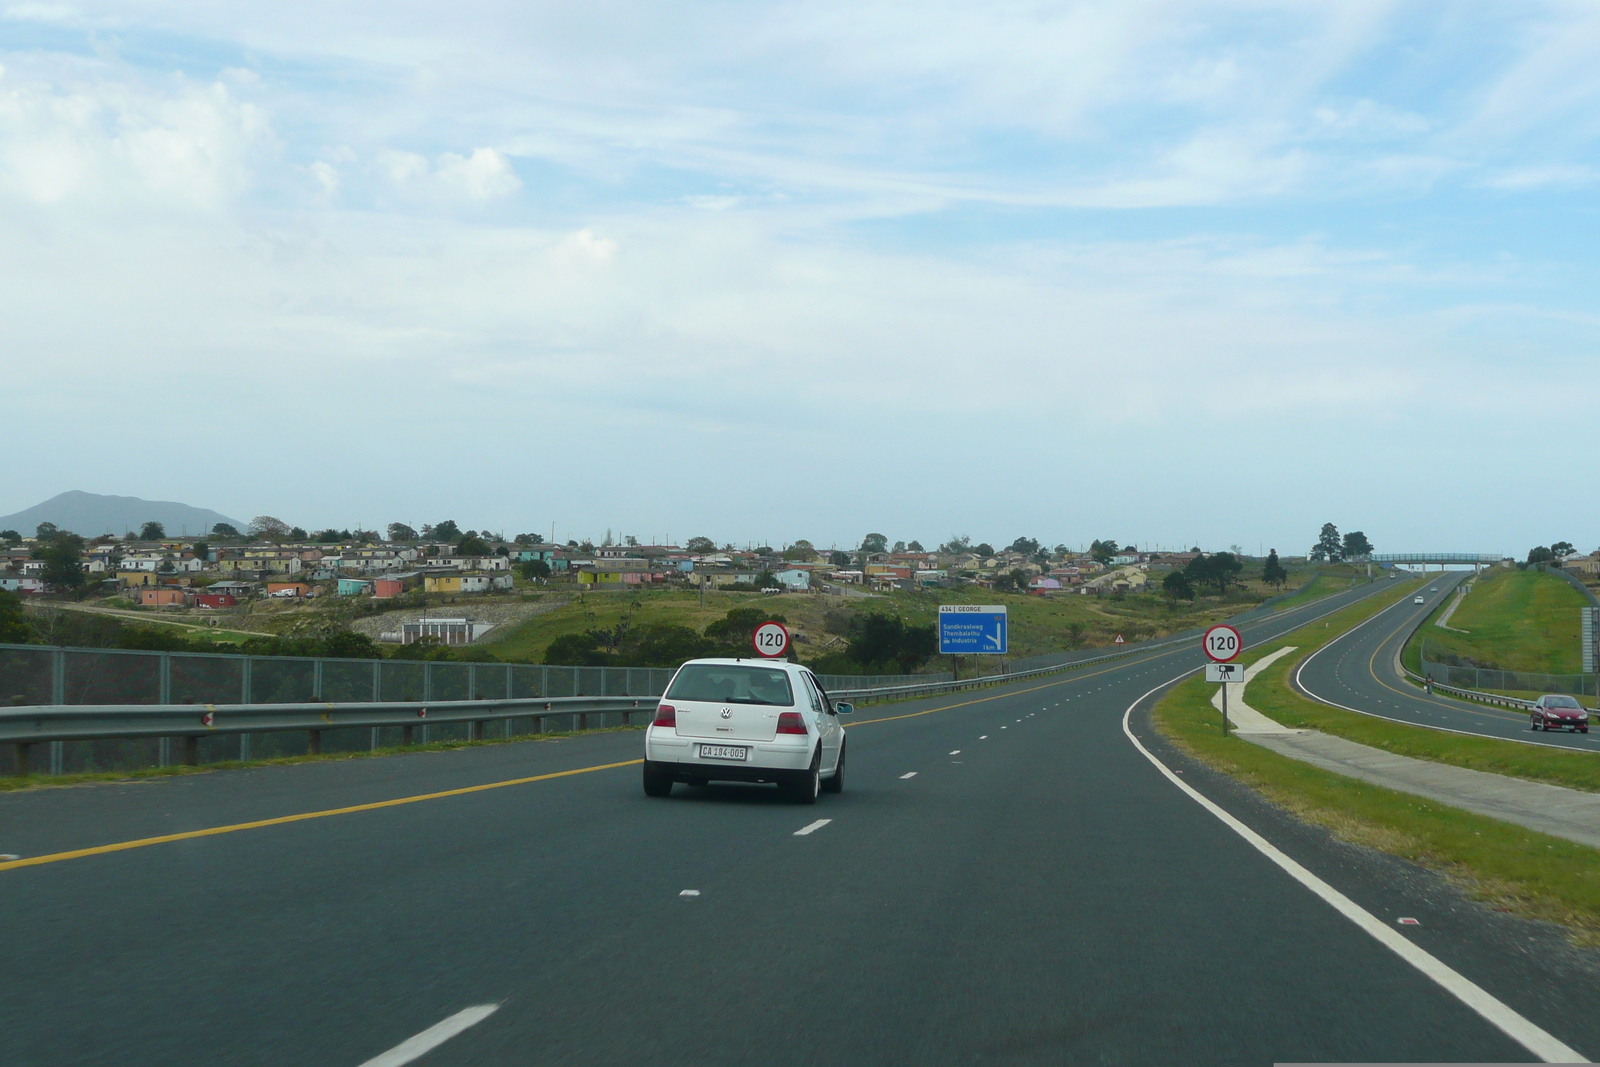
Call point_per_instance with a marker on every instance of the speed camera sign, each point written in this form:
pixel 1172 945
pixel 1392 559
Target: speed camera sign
pixel 1222 643
pixel 771 639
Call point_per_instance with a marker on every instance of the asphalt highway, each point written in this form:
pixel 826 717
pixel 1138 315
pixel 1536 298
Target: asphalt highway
pixel 1358 671
pixel 1006 878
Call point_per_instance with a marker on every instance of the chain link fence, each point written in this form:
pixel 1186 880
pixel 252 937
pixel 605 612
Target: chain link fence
pixel 1513 681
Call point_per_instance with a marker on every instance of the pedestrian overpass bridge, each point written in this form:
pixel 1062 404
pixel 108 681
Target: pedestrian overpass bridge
pixel 1476 560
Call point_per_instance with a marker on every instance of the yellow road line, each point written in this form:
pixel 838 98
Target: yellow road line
pixel 144 842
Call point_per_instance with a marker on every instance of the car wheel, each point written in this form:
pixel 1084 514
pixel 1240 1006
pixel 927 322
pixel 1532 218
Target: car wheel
pixel 808 783
pixel 836 783
pixel 657 782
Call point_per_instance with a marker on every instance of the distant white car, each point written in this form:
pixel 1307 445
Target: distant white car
pixel 746 720
pixel 1418 600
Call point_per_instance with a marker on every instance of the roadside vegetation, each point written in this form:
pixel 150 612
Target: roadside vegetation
pixel 1511 868
pixel 1514 620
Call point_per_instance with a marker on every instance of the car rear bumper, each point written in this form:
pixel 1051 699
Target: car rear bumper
pixel 769 761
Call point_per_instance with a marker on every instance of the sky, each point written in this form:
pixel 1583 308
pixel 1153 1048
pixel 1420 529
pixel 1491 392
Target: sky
pixel 1170 273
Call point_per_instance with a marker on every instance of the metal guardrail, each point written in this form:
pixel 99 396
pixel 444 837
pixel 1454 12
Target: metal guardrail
pixel 25 727
pixel 191 723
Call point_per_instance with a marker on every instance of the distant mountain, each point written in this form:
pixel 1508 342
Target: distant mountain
pixel 91 515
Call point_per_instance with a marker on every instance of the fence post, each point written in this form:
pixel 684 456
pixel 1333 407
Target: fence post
pixel 509 687
pixel 427 681
pixel 58 754
pixel 244 748
pixel 377 685
pixel 408 734
pixel 472 687
pixel 22 749
pixel 191 750
pixel 244 681
pixel 316 742
pixel 316 680
pixel 165 694
pixel 58 677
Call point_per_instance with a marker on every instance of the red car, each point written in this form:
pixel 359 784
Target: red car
pixel 1556 711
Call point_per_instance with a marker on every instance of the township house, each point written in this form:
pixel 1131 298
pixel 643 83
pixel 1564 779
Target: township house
pixel 163 597
pixel 456 583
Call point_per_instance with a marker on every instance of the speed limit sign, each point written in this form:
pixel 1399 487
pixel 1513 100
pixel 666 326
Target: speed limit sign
pixel 771 639
pixel 1222 643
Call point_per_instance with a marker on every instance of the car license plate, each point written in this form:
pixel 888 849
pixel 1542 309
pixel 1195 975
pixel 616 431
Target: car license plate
pixel 733 752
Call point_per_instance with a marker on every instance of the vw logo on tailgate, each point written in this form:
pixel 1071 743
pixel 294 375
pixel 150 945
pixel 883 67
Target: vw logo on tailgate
pixel 727 713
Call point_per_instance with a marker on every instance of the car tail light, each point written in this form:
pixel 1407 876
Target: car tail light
pixel 666 715
pixel 790 722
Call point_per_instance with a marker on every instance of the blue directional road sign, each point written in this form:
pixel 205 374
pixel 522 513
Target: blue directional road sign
pixel 972 629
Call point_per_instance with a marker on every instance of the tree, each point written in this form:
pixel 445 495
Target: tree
pixel 267 528
pixel 839 559
pixel 1026 546
pixel 1540 554
pixel 874 542
pixel 732 634
pixel 1329 548
pixel 472 545
pixel 444 531
pixel 331 536
pixel 1102 551
pixel 1356 545
pixel 14 629
pixel 534 570
pixel 915 546
pixel 984 549
pixel 661 644
pixel 1561 549
pixel 399 531
pixel 152 531
pixel 801 551
pixel 298 533
pixel 63 567
pixel 10 537
pixel 224 529
pixel 899 546
pixel 45 531
pixel 700 546
pixel 883 639
pixel 1178 587
pixel 527 540
pixel 1219 568
pixel 1272 571
pixel 956 545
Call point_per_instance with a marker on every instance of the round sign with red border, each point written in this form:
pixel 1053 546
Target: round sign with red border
pixel 1222 643
pixel 771 639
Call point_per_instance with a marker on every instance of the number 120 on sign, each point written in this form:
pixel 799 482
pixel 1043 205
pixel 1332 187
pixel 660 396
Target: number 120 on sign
pixel 1222 643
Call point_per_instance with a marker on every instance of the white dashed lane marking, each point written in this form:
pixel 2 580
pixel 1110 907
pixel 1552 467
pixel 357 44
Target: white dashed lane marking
pixel 812 827
pixel 689 893
pixel 957 752
pixel 909 774
pixel 415 1047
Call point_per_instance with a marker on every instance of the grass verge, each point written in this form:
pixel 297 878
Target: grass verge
pixel 1506 866
pixel 1515 621
pixel 39 781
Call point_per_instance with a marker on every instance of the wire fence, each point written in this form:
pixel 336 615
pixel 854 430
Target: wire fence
pixel 1513 681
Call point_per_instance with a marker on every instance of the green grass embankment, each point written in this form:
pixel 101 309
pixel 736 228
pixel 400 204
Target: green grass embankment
pixel 1518 870
pixel 1514 621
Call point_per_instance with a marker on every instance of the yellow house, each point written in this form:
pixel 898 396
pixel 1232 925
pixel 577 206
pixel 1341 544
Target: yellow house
pixel 137 578
pixel 456 583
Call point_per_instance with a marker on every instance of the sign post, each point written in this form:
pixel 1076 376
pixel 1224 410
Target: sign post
pixel 771 639
pixel 1222 644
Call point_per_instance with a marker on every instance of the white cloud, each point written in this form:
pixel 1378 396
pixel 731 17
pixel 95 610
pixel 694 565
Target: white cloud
pixel 484 175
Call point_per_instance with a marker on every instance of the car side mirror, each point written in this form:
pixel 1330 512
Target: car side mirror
pixel 843 708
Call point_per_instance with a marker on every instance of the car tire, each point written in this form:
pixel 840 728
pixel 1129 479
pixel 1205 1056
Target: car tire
pixel 836 783
pixel 657 780
pixel 804 786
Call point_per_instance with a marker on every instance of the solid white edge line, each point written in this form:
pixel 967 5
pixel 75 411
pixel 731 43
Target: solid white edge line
pixel 812 827
pixel 911 774
pixel 1536 1040
pixel 414 1047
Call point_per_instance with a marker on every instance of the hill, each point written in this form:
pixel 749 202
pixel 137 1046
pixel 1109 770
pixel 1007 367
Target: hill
pixel 92 514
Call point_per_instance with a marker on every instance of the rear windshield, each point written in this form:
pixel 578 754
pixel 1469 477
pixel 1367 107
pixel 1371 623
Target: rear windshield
pixel 1560 702
pixel 726 684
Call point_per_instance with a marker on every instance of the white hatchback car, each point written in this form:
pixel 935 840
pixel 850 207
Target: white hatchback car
pixel 746 720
